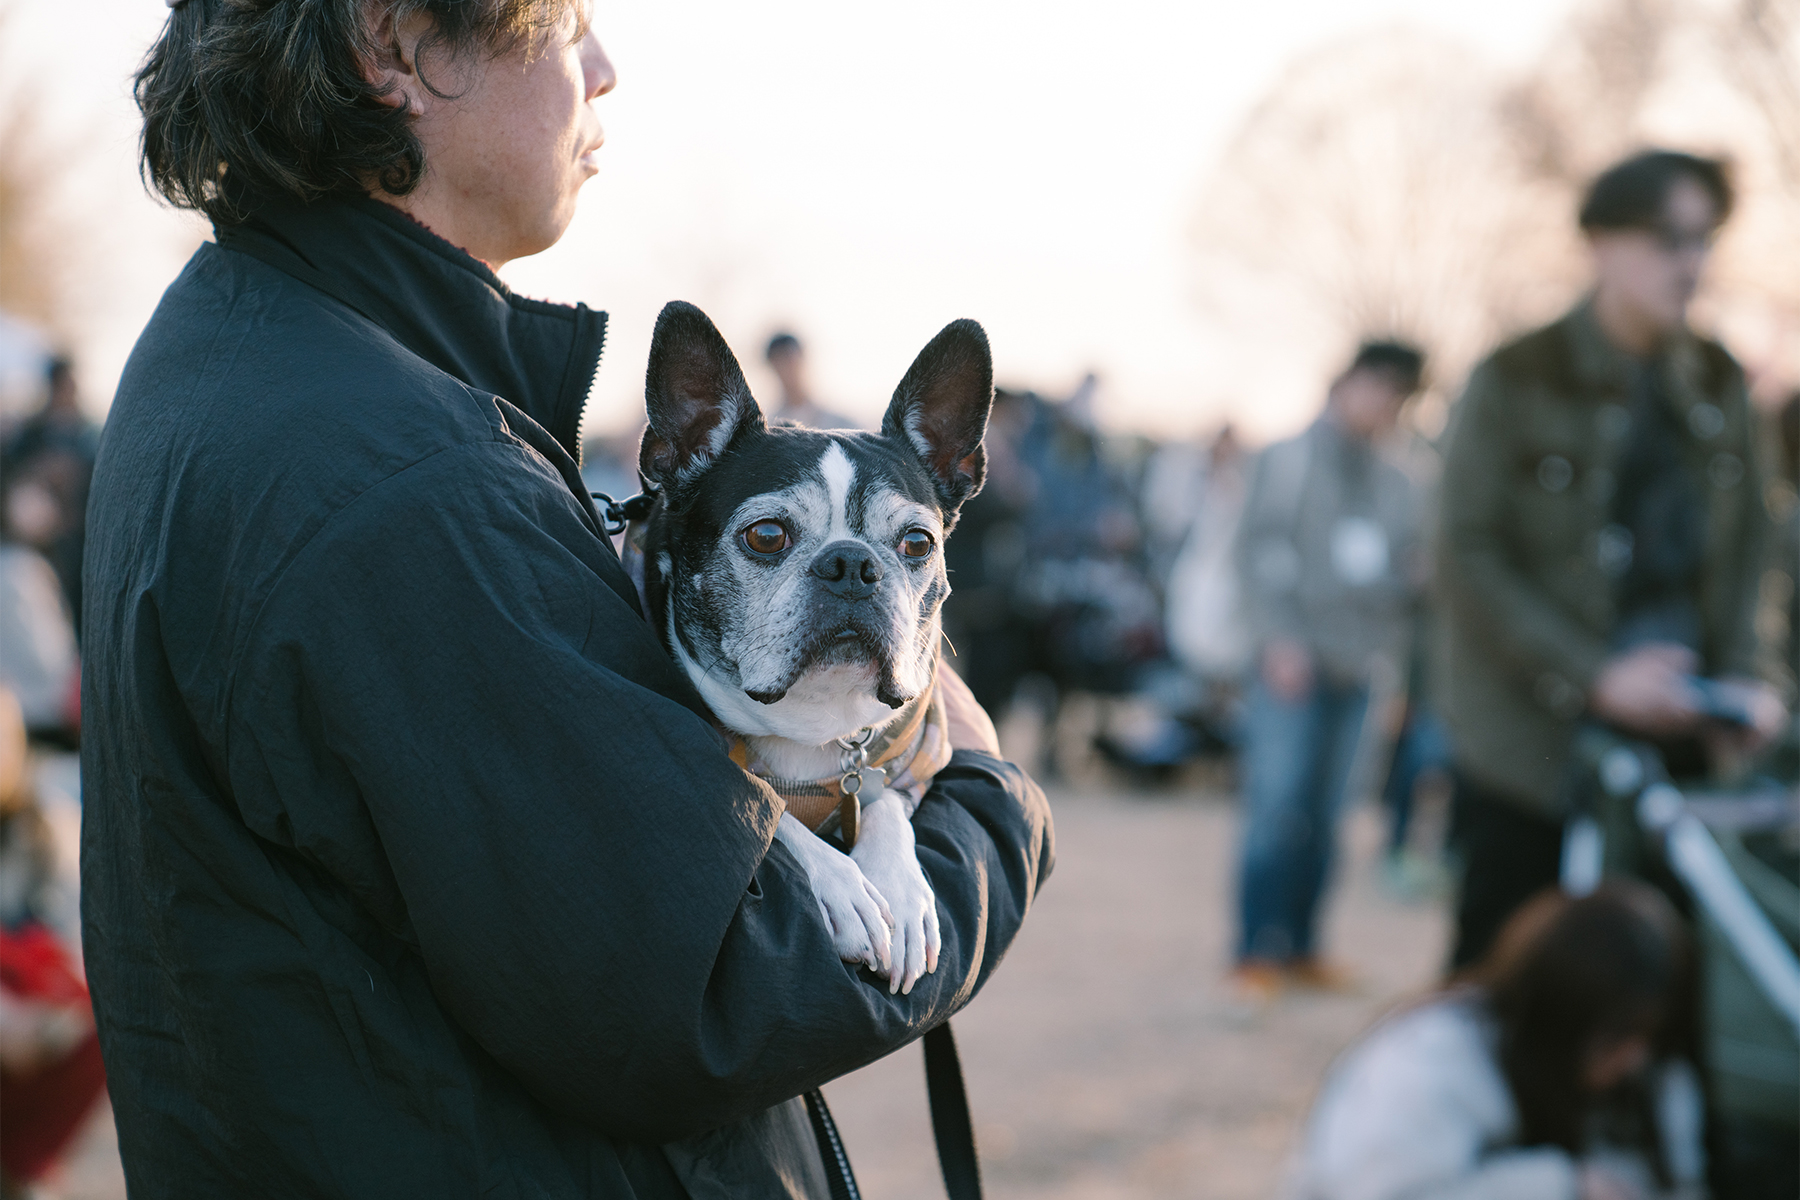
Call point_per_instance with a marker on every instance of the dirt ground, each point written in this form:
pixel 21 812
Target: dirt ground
pixel 1101 1061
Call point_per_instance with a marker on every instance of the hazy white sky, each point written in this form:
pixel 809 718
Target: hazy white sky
pixel 861 174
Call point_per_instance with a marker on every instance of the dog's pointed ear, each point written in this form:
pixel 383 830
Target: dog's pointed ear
pixel 941 409
pixel 694 395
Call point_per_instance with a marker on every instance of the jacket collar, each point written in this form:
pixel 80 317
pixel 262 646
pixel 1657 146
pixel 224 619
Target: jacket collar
pixel 436 300
pixel 1601 364
pixel 1605 369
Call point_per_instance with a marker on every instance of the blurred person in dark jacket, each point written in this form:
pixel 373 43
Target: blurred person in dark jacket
pixel 412 865
pixel 1326 550
pixel 55 448
pixel 1601 535
pixel 1781 582
pixel 38 660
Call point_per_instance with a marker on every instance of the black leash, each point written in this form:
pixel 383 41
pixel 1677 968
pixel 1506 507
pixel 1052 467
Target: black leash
pixel 950 1126
pixel 838 1175
pixel 950 1121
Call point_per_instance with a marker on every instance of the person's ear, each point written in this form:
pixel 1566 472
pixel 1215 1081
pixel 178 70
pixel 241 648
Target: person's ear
pixel 941 410
pixel 694 395
pixel 391 62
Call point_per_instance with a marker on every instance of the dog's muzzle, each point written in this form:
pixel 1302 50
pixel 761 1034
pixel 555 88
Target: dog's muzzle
pixel 842 636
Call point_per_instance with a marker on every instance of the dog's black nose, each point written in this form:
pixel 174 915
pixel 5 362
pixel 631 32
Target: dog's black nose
pixel 847 569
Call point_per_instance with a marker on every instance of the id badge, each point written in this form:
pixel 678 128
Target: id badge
pixel 1359 551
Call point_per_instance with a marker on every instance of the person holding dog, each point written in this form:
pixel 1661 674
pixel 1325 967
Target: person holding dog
pixel 412 864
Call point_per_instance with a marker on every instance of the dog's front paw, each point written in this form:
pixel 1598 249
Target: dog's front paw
pixel 855 912
pixel 889 858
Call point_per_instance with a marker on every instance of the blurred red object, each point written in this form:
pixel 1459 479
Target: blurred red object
pixel 45 1104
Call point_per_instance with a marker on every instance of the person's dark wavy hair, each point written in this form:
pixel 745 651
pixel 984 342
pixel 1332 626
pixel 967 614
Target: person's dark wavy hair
pixel 1564 976
pixel 244 100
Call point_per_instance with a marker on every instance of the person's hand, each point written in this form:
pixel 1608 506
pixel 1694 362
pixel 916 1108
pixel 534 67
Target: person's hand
pixel 1762 704
pixel 1731 748
pixel 1647 691
pixel 1287 670
pixel 1597 1183
pixel 967 724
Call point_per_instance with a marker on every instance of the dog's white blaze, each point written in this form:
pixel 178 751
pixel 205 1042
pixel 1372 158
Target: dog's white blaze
pixel 839 474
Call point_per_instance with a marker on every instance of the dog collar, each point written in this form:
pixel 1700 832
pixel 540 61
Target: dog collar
pixel 901 757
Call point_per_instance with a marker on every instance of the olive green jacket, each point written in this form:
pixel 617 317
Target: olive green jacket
pixel 1527 563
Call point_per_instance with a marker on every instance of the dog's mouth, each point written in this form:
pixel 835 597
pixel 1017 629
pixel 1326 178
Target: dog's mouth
pixel 847 645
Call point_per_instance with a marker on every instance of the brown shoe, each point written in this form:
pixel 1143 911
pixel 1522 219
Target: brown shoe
pixel 1254 983
pixel 1317 975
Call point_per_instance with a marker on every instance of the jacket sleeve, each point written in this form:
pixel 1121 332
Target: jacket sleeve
pixel 1736 648
pixel 588 879
pixel 1476 569
pixel 1268 561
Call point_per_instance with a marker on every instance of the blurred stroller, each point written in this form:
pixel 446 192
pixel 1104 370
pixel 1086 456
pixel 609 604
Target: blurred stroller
pixel 1731 861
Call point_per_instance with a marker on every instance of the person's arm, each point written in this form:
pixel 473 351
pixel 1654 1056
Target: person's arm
pixel 1269 568
pixel 1736 653
pixel 1267 560
pixel 588 879
pixel 1475 564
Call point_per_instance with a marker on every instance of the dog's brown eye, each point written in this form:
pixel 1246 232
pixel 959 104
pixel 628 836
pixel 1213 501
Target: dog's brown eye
pixel 916 543
pixel 765 537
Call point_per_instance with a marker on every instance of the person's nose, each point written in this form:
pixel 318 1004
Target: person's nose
pixel 847 569
pixel 597 69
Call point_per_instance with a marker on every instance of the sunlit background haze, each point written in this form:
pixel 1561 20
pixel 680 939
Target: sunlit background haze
pixel 1064 173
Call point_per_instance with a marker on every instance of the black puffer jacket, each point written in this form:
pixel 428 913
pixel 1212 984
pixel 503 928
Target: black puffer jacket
pixel 411 864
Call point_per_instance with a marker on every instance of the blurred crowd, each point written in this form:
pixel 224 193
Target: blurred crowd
pixel 51 1075
pixel 1599 552
pixel 1585 584
pixel 1596 556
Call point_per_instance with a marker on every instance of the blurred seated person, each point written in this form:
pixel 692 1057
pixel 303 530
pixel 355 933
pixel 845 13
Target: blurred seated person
pixel 1602 534
pixel 1325 554
pixel 50 1070
pixel 1550 1072
pixel 787 358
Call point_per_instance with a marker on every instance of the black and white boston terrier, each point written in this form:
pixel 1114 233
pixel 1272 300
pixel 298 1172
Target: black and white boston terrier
pixel 797 576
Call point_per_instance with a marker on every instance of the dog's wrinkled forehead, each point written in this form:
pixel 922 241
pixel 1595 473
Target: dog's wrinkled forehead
pixel 854 485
